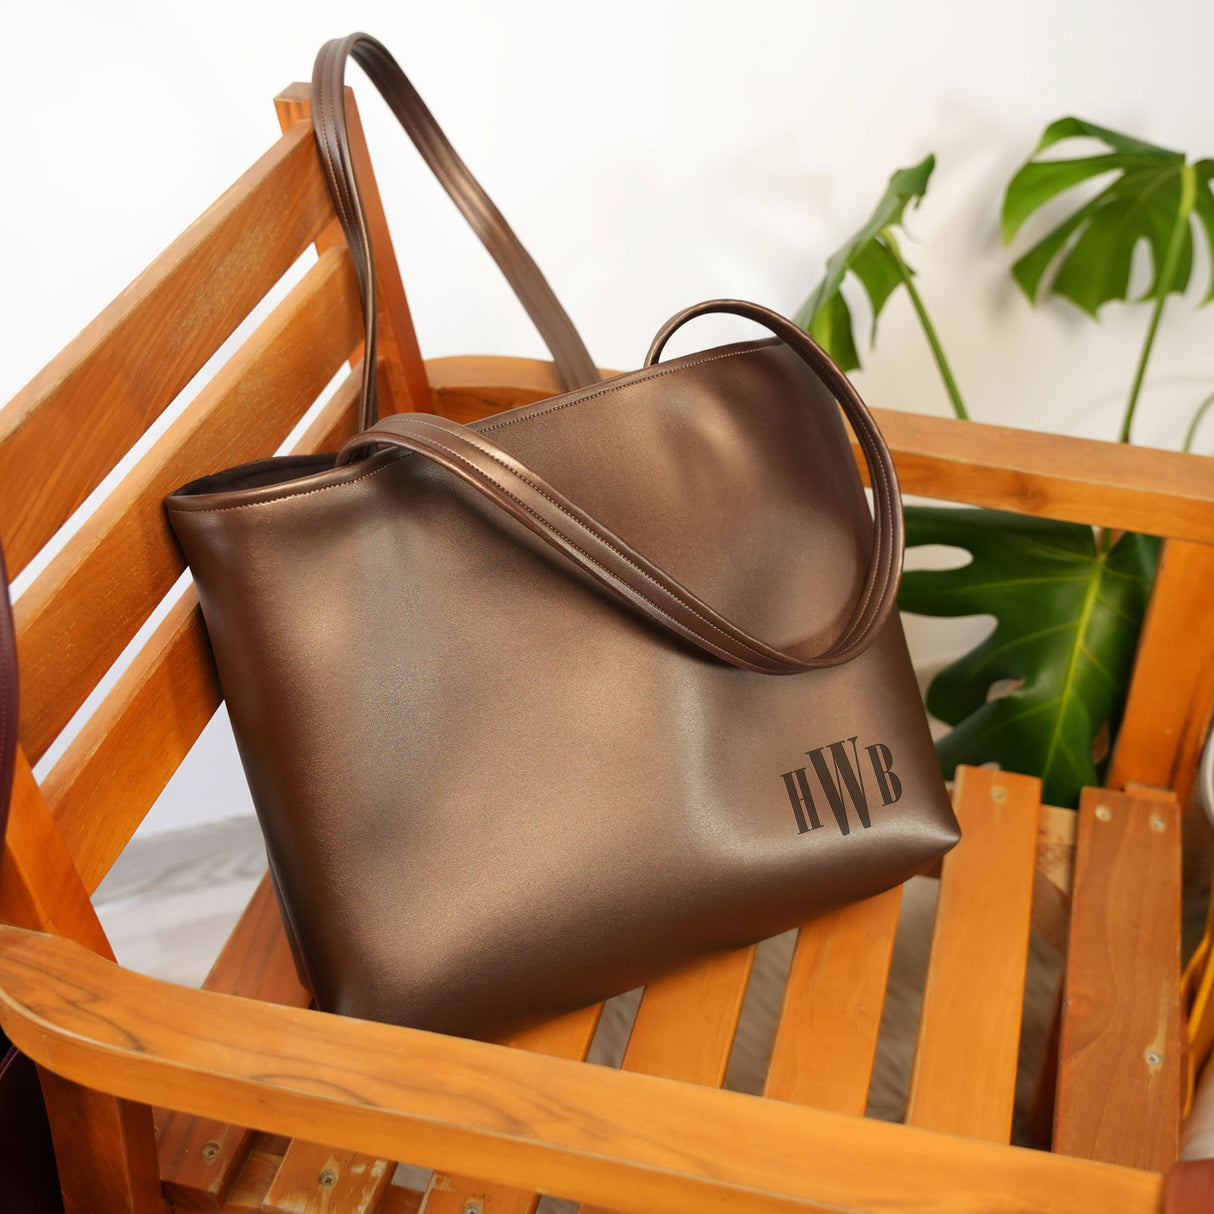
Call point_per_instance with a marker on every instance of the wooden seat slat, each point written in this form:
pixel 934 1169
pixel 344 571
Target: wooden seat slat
pixel 202 1159
pixel 1121 1055
pixel 685 1025
pixel 964 1077
pixel 114 769
pixel 315 1179
pixel 827 1035
pixel 116 377
pixel 79 614
pixel 567 1036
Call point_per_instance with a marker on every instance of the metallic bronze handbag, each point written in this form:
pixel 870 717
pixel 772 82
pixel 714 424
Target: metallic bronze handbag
pixel 536 709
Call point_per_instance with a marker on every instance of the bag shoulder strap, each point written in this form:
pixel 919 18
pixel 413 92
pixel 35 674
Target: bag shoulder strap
pixel 604 556
pixel 573 362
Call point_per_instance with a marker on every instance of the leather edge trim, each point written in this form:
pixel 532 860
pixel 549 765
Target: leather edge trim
pixel 186 499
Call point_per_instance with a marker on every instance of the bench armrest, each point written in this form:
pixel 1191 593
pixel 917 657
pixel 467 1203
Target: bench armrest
pixel 1080 480
pixel 584 1132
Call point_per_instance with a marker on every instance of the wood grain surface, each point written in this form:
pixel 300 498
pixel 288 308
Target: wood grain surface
pixel 628 1141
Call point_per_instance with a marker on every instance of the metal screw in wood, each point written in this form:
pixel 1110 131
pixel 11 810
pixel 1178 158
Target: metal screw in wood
pixel 210 1151
pixel 1104 813
pixel 328 1178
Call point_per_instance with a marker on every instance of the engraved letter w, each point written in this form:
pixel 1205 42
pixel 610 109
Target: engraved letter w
pixel 845 777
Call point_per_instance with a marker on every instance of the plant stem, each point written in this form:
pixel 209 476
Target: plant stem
pixel 929 331
pixel 1167 272
pixel 1191 432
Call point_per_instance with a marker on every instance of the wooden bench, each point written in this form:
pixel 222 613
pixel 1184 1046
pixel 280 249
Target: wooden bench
pixel 149 1085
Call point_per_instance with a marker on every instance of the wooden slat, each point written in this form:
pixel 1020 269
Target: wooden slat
pixel 567 1036
pixel 405 387
pixel 1056 846
pixel 201 1159
pixel 315 1179
pixel 466 389
pixel 626 1140
pixel 80 613
pixel 118 765
pixel 1189 1188
pixel 39 885
pixel 115 768
pixel 256 961
pixel 1171 690
pixel 1121 1065
pixel 685 1026
pixel 254 1182
pixel 104 1146
pixel 1052 476
pixel 105 1152
pixel 107 385
pixel 827 1036
pixel 400 1200
pixel 964 1076
pixel 1048 475
pixel 1052 880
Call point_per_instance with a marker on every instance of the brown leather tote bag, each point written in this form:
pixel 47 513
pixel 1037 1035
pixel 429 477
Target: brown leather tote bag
pixel 535 709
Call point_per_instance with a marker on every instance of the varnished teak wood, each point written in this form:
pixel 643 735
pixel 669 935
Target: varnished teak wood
pixel 406 387
pixel 77 417
pixel 827 1036
pixel 964 1078
pixel 1167 714
pixel 1048 475
pixel 623 1139
pixel 201 1159
pixel 1121 1064
pixel 124 560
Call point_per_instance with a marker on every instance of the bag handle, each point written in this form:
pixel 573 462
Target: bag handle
pixel 564 526
pixel 573 362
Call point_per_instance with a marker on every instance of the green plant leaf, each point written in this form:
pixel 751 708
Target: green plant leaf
pixel 868 255
pixel 1191 433
pixel 1092 249
pixel 1067 620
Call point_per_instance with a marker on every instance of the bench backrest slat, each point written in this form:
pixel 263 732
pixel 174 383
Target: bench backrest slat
pixel 114 769
pixel 62 434
pixel 81 612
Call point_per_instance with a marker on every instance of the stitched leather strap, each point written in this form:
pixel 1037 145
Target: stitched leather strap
pixel 574 364
pixel 889 541
pixel 540 507
pixel 8 699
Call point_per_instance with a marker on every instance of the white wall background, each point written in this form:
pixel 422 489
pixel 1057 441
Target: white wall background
pixel 650 154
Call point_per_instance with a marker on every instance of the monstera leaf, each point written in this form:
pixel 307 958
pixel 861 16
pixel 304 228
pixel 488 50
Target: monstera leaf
pixel 1068 615
pixel 1151 196
pixel 872 255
